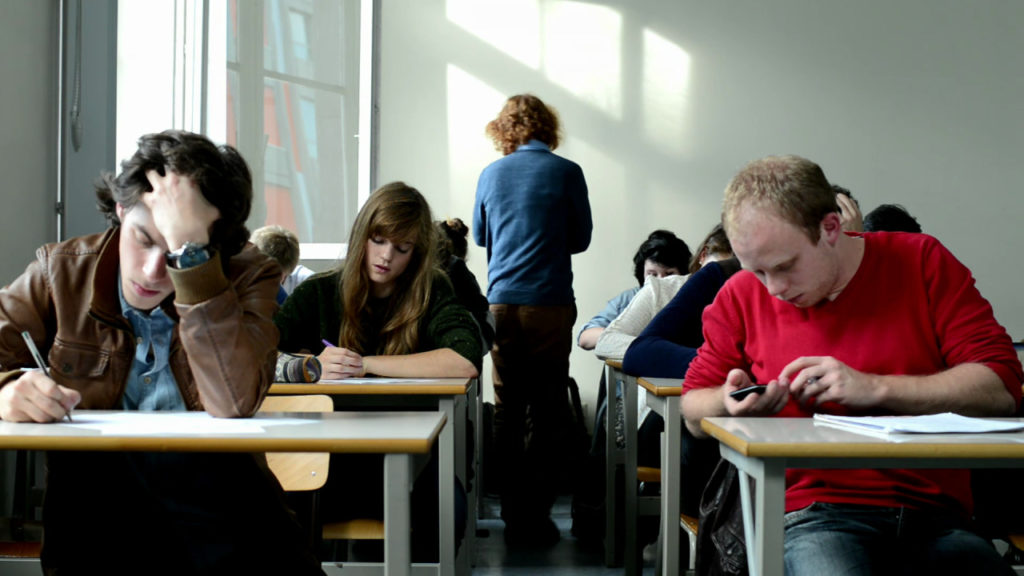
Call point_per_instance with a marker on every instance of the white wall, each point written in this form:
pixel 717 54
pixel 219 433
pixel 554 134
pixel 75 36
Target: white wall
pixel 28 141
pixel 918 102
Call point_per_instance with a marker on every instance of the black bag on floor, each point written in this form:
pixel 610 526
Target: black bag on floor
pixel 721 547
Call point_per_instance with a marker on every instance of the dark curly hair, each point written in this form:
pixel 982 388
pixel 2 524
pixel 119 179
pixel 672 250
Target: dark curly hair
pixel 523 118
pixel 451 239
pixel 219 172
pixel 891 218
pixel 661 247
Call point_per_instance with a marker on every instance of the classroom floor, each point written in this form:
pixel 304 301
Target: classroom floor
pixel 570 557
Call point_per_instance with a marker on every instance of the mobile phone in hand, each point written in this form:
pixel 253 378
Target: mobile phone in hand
pixel 742 393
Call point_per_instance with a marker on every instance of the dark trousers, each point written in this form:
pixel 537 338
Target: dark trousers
pixel 531 410
pixel 168 513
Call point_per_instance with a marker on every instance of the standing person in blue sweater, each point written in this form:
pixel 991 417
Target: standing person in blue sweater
pixel 532 214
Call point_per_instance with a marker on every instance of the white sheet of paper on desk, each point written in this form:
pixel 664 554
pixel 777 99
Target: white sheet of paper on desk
pixel 197 423
pixel 379 381
pixel 946 423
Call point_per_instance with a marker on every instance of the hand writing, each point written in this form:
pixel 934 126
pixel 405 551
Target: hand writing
pixel 33 397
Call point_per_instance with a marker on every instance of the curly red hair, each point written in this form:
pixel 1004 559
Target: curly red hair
pixel 523 118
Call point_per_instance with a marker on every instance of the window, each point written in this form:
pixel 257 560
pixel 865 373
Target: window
pixel 284 81
pixel 293 111
pixel 308 108
pixel 300 42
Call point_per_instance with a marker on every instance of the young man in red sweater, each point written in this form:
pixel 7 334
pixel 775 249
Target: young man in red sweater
pixel 878 323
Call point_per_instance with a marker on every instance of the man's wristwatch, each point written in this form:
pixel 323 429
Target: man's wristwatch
pixel 190 254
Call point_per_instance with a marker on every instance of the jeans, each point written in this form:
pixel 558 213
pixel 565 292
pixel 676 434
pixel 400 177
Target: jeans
pixel 846 539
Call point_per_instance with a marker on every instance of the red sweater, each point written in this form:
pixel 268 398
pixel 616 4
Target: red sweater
pixel 911 308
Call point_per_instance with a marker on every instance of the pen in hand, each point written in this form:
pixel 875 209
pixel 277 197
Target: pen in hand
pixel 327 343
pixel 39 361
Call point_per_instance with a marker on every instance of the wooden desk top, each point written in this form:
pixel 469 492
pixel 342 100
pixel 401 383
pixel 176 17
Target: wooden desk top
pixel 802 438
pixel 662 386
pixel 614 363
pixel 352 432
pixel 380 387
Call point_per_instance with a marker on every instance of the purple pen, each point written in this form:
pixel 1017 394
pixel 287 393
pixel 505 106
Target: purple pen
pixel 328 344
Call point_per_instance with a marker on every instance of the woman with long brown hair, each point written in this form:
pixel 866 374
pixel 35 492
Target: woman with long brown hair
pixel 386 310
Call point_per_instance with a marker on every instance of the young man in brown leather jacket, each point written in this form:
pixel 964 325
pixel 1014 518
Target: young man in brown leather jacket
pixel 169 309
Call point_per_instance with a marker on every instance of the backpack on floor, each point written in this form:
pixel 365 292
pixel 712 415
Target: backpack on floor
pixel 721 546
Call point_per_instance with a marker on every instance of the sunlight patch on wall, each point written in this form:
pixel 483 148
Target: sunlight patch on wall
pixel 583 53
pixel 666 75
pixel 611 196
pixel 512 26
pixel 472 103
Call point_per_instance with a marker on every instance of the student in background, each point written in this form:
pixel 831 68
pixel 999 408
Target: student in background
pixel 664 349
pixel 166 310
pixel 655 294
pixel 386 310
pixel 282 245
pixel 532 214
pixel 891 218
pixel 849 210
pixel 804 318
pixel 661 254
pixel 713 248
pixel 451 256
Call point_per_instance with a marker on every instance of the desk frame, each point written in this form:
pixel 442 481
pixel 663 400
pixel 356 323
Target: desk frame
pixel 334 435
pixel 449 396
pixel 663 396
pixel 614 457
pixel 763 448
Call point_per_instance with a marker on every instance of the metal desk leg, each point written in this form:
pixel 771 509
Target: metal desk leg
pixel 611 462
pixel 633 555
pixel 446 487
pixel 671 483
pixel 397 506
pixel 473 410
pixel 765 514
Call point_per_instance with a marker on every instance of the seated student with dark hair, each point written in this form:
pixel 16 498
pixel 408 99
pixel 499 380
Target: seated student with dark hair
pixel 169 309
pixel 662 254
pixel 451 256
pixel 891 218
pixel 664 349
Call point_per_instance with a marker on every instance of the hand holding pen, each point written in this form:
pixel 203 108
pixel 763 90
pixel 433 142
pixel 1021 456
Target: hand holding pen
pixel 339 363
pixel 34 397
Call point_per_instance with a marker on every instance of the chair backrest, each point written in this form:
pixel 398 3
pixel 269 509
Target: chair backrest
pixel 299 471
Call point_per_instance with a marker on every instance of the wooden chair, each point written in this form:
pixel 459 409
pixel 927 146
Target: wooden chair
pixel 303 472
pixel 299 471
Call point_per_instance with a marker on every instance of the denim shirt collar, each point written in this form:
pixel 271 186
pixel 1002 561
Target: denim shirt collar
pixel 534 144
pixel 150 384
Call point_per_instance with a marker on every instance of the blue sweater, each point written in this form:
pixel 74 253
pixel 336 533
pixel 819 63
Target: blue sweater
pixel 665 348
pixel 532 214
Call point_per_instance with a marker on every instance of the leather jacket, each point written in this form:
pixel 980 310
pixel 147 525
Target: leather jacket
pixel 223 347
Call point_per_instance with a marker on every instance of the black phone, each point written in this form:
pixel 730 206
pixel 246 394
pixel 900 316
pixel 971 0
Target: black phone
pixel 744 392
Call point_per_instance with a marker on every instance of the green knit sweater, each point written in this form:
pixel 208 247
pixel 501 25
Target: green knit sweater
pixel 313 313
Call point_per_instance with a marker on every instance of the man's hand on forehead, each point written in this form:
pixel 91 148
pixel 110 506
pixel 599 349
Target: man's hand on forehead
pixel 180 212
